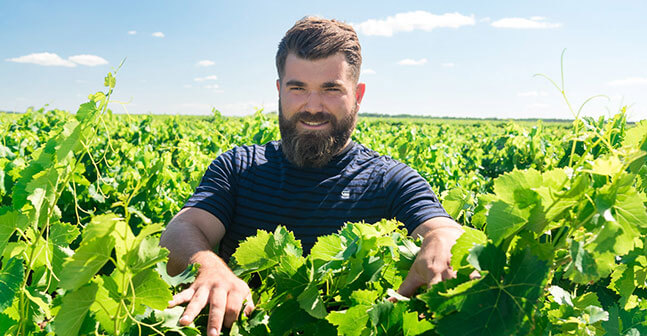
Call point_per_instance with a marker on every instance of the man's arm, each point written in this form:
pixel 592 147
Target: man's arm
pixel 432 264
pixel 190 237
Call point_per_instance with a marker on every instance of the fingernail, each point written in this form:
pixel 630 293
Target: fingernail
pixel 214 332
pixel 184 319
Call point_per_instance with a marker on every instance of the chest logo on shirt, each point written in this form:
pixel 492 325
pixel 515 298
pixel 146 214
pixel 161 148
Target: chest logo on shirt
pixel 345 194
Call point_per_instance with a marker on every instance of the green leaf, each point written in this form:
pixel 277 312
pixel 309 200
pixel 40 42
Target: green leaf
pixel 100 226
pixel 623 282
pixel 411 325
pixel 186 277
pixel 464 243
pixel 290 275
pixel 310 301
pixel 327 248
pixel 86 262
pixel 560 296
pixel 251 255
pixel 76 305
pixel 151 290
pixel 504 220
pixel 499 302
pixel 105 307
pixel 516 187
pixel 608 166
pixel 364 297
pixel 457 201
pixel 596 314
pixel 350 322
pixel 10 220
pixel 110 81
pixel 146 254
pixel 11 276
pixel 6 324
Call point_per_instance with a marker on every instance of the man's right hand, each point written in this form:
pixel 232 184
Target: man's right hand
pixel 190 237
pixel 217 285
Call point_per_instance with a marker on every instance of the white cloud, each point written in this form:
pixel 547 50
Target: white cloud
pixel 485 19
pixel 410 21
pixel 132 32
pixel 535 22
pixel 532 94
pixel 368 72
pixel 205 63
pixel 89 60
pixel 629 81
pixel 409 61
pixel 448 65
pixel 212 86
pixel 202 79
pixel 46 59
pixel 157 34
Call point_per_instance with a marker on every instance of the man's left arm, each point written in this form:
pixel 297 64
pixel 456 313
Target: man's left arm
pixel 432 264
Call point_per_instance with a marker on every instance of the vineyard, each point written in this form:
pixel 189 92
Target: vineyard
pixel 555 217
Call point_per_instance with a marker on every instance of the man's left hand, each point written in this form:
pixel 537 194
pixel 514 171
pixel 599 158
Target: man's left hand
pixel 432 265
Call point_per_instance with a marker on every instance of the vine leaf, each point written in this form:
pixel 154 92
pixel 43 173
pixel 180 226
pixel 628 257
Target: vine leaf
pixel 11 275
pixel 86 262
pixel 496 304
pixel 74 309
pixel 151 290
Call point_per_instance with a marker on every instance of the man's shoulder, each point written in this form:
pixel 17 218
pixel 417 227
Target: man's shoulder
pixel 364 154
pixel 253 150
pixel 243 157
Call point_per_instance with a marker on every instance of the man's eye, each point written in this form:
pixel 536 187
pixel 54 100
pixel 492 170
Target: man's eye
pixel 333 89
pixel 296 89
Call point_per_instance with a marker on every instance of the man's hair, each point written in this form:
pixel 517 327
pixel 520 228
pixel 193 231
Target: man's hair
pixel 314 38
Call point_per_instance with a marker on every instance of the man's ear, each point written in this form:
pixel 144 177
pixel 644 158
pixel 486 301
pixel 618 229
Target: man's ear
pixel 359 92
pixel 278 85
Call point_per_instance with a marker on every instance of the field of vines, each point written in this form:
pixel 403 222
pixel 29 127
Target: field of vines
pixel 555 217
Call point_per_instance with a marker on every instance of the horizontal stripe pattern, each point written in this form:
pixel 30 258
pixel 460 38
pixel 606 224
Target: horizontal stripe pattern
pixel 255 187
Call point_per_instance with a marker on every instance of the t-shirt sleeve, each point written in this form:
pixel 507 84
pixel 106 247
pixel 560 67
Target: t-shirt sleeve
pixel 216 190
pixel 410 198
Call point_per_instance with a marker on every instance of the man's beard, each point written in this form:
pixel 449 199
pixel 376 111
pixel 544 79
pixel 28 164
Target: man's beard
pixel 314 149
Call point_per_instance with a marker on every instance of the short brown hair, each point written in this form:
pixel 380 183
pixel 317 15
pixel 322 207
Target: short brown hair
pixel 314 38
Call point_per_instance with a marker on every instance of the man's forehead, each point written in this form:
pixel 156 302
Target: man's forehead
pixel 334 67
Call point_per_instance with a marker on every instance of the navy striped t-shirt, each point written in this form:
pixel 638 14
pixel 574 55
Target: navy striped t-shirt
pixel 256 187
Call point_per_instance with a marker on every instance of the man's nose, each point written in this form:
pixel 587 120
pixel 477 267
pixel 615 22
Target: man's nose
pixel 314 102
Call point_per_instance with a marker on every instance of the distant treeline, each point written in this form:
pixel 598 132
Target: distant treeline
pixel 414 116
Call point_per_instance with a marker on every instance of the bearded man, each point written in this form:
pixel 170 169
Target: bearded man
pixel 312 181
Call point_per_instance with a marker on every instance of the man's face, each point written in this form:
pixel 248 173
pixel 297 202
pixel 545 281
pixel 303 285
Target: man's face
pixel 318 104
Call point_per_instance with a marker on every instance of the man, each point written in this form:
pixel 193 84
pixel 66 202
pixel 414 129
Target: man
pixel 312 181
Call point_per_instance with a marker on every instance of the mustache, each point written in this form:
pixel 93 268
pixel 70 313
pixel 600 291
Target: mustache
pixel 313 117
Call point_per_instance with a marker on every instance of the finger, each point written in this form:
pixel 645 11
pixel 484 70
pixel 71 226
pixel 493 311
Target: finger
pixel 232 309
pixel 217 303
pixel 198 301
pixel 181 297
pixel 410 285
pixel 249 305
pixel 438 277
pixel 449 274
pixel 475 275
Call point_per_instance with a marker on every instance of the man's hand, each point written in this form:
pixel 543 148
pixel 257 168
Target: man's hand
pixel 432 265
pixel 217 285
pixel 190 237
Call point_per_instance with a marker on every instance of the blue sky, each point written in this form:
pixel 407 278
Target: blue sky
pixel 458 59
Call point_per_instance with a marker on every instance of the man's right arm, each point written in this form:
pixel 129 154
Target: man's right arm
pixel 190 237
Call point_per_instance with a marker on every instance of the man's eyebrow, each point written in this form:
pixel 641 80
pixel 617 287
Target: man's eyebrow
pixel 294 82
pixel 328 85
